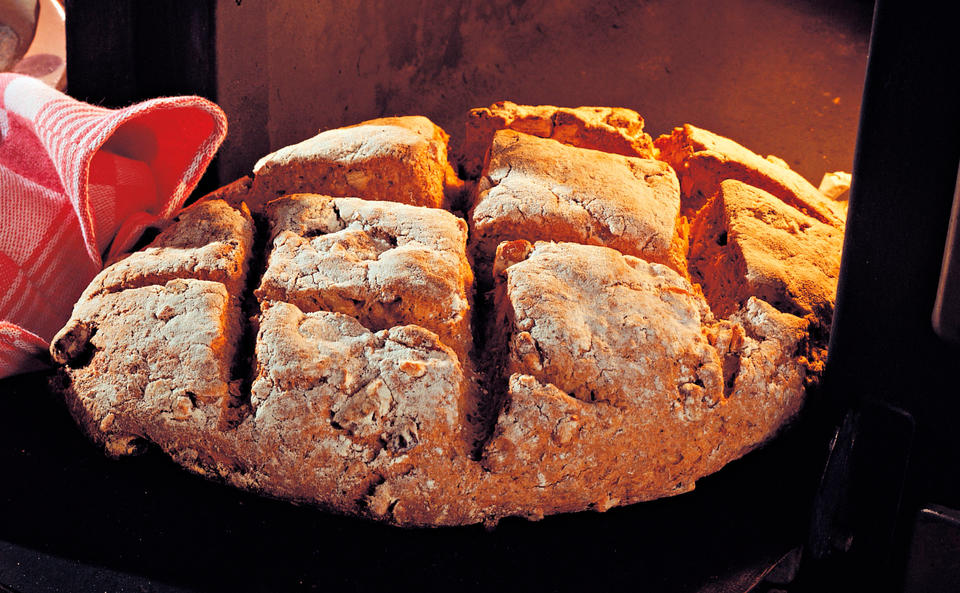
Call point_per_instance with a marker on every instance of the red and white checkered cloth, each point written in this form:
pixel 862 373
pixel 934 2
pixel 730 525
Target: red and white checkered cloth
pixel 79 183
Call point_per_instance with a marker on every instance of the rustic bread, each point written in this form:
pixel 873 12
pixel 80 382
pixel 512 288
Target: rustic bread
pixel 623 387
pixel 397 159
pixel 747 243
pixel 212 241
pixel 384 264
pixel 610 129
pixel 539 189
pixel 328 350
pixel 153 364
pixel 339 410
pixel 703 159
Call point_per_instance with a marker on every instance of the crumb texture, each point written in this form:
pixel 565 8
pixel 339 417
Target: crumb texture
pixel 611 321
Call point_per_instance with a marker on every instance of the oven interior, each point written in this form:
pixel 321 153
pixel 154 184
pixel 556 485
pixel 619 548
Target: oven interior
pixel 858 494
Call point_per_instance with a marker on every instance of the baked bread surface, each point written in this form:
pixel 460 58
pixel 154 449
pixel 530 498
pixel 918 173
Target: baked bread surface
pixel 703 159
pixel 331 347
pixel 610 129
pixel 538 188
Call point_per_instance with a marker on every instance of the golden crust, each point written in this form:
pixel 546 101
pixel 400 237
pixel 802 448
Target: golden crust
pixel 395 159
pixel 209 241
pixel 384 264
pixel 610 129
pixel 747 243
pixel 348 378
pixel 703 159
pixel 540 190
pixel 621 385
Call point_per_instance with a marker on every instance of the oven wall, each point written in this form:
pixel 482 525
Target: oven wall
pixel 783 78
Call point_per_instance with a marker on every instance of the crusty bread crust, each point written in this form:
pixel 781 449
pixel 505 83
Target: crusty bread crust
pixel 396 159
pixel 611 129
pixel 384 264
pixel 322 349
pixel 747 243
pixel 539 189
pixel 703 159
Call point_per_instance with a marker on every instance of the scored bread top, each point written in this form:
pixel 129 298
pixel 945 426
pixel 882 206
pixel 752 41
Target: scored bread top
pixel 211 241
pixel 703 159
pixel 746 242
pixel 601 326
pixel 534 188
pixel 337 352
pixel 385 264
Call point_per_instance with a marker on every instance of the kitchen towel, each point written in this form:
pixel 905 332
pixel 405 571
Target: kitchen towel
pixel 78 185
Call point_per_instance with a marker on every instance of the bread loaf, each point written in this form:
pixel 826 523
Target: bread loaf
pixel 328 345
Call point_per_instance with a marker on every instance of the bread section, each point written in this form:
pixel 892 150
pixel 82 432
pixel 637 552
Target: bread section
pixel 325 332
pixel 384 264
pixel 539 189
pixel 397 159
